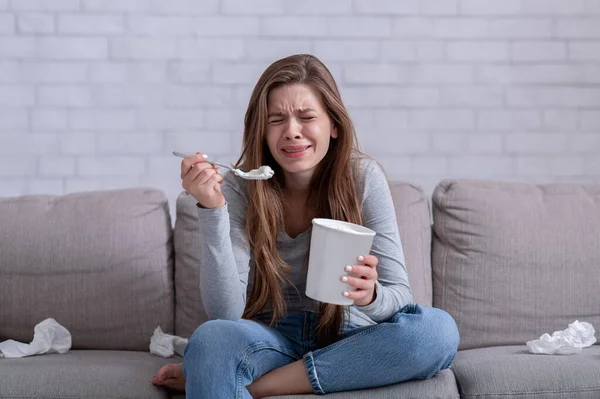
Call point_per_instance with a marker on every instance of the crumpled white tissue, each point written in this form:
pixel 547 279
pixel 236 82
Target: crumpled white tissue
pixel 165 345
pixel 571 341
pixel 48 337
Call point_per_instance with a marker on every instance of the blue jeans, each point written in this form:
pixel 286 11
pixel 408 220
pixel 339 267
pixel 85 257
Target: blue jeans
pixel 223 357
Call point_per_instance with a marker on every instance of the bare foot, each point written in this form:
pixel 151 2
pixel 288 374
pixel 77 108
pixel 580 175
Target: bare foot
pixel 171 377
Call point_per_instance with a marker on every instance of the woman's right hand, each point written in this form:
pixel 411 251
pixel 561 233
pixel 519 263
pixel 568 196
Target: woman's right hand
pixel 202 180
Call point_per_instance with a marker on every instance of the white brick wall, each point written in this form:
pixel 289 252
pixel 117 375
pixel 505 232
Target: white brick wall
pixel 95 94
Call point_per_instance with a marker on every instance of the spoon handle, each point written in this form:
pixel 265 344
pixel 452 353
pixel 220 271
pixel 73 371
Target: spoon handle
pixel 181 155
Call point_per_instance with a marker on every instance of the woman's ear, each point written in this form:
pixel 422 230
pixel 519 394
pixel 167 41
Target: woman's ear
pixel 334 132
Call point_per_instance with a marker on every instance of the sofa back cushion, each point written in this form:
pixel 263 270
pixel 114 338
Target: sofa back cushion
pixel 414 221
pixel 100 263
pixel 512 261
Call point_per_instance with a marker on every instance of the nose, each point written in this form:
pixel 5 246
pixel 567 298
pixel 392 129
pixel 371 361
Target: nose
pixel 293 130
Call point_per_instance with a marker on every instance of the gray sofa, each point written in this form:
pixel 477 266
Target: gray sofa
pixel 509 261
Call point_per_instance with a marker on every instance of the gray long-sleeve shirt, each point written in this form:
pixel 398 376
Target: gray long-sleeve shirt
pixel 226 264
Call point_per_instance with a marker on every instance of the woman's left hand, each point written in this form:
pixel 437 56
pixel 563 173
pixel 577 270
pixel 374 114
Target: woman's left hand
pixel 362 276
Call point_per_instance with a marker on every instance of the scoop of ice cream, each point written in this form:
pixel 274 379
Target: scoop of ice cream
pixel 263 173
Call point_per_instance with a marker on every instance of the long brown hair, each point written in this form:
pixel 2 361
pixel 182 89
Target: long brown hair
pixel 333 183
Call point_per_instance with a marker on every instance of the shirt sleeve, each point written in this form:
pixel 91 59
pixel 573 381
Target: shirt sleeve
pixel 392 287
pixel 225 256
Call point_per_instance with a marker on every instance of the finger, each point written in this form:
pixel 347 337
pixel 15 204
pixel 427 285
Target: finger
pixel 358 283
pixel 218 178
pixel 206 175
pixel 369 260
pixel 356 295
pixel 360 271
pixel 188 162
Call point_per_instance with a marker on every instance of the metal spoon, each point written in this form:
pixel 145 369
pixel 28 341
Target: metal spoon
pixel 263 173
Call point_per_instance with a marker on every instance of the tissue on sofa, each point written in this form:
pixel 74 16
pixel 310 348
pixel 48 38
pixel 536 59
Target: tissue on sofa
pixel 577 336
pixel 48 337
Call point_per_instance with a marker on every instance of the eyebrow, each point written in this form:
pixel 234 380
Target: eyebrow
pixel 300 110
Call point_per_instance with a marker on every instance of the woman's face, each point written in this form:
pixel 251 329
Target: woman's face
pixel 299 129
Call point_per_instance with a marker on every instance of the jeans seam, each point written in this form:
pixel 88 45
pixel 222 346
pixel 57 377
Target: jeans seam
pixel 350 338
pixel 313 377
pixel 246 360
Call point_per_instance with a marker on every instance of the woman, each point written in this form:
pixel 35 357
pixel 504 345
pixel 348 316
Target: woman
pixel 265 337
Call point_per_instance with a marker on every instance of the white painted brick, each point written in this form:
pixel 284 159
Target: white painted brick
pixel 44 5
pixel 391 119
pixel 35 23
pixel 65 96
pixel 128 95
pixel 374 74
pixel 165 166
pixel 73 185
pixel 538 51
pixel 17 165
pixel 584 51
pixel 142 48
pixel 360 27
pixel 412 27
pixel 533 165
pixel 386 97
pixel 491 7
pixel 91 24
pixel 442 73
pixel 567 166
pixel 187 7
pixel 17 47
pixel 538 28
pixel 318 7
pixel 28 143
pixel 199 96
pixel 508 119
pixel 590 120
pixel 7 24
pixel 102 119
pixel 520 96
pixel 161 26
pixel 568 96
pixel 203 49
pixel 587 73
pixel 478 51
pixel 429 165
pixel 531 73
pixel 386 7
pixel 588 28
pixel 363 119
pixel 392 143
pixel 132 71
pixel 436 7
pixel 78 143
pixel 430 51
pixel 129 143
pixel 593 167
pixel 585 143
pixel 139 6
pixel 212 143
pixel 13 95
pixel 224 119
pixel 295 27
pixel 50 165
pixel 486 143
pixel 472 96
pixel 559 7
pixel 227 26
pixel 9 71
pixel 536 143
pixel 461 28
pixel 109 72
pixel 110 166
pixel 395 166
pixel 256 7
pixel 3 4
pixel 442 119
pixel 448 142
pixel 168 119
pixel 398 51
pixel 558 119
pixel 45 186
pixel 12 118
pixel 236 73
pixel 48 119
pixel 189 72
pixel 52 72
pixel 272 49
pixel 481 166
pixel 342 50
pixel 10 187
pixel 76 48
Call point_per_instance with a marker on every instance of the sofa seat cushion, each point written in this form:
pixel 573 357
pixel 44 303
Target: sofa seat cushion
pixel 505 372
pixel 83 374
